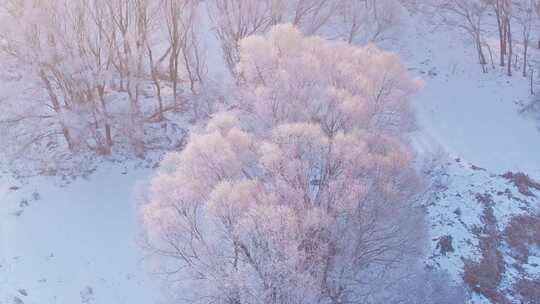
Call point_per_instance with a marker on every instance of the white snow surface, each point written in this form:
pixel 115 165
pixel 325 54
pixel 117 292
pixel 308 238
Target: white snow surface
pixel 74 242
pixel 471 122
pixel 471 115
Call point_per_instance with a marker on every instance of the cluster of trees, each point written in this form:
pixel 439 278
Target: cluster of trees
pixel 305 192
pixel 103 71
pixel 515 21
pixel 94 63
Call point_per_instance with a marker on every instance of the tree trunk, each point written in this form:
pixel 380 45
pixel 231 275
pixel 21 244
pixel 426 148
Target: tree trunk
pixel 108 130
pixel 502 39
pixel 155 80
pixel 525 49
pixel 531 83
pixel 137 130
pixel 481 56
pixel 509 37
pixel 56 106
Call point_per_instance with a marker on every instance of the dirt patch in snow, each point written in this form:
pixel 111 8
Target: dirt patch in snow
pixel 523 182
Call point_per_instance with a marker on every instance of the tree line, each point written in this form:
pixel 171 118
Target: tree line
pixel 107 74
pixel 515 21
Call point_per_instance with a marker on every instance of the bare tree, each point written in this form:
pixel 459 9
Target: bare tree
pixel 500 7
pixel 366 20
pixel 129 33
pixel 537 14
pixel 311 15
pixel 467 15
pixel 185 51
pixel 523 15
pixel 508 23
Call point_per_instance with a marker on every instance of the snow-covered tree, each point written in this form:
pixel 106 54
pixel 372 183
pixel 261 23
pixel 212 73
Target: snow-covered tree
pixel 290 78
pixel 305 192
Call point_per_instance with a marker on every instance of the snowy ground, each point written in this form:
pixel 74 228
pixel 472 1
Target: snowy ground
pixel 77 242
pixel 471 115
pixel 73 243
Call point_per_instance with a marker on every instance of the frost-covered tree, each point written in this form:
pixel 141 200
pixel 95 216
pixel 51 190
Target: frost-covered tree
pixel 55 42
pixel 69 48
pixel 290 78
pixel 305 192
